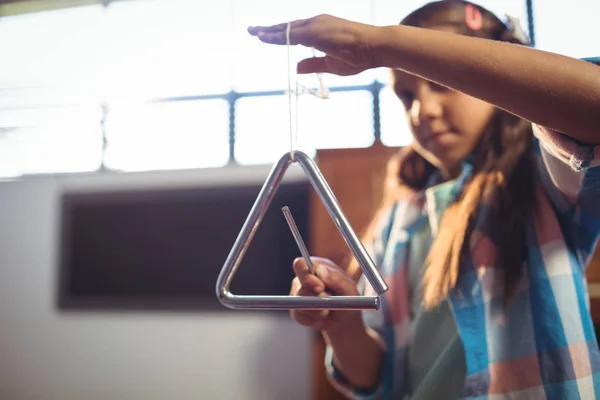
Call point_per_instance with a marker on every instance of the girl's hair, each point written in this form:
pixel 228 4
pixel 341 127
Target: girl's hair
pixel 502 170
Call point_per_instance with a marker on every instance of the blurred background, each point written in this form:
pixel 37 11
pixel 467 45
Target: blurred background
pixel 134 138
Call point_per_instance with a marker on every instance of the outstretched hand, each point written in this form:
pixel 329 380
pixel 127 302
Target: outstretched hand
pixel 349 46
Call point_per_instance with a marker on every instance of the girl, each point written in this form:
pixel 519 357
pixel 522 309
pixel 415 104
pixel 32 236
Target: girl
pixel 489 216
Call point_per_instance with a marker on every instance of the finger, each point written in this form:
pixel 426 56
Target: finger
pixel 298 35
pixel 309 317
pixel 312 65
pixel 312 286
pixel 336 279
pixel 308 291
pixel 254 30
pixel 327 64
pixel 303 272
pixel 306 317
pixel 296 286
pixel 313 319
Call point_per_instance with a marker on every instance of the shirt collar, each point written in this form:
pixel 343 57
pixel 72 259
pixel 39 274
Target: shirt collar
pixel 439 195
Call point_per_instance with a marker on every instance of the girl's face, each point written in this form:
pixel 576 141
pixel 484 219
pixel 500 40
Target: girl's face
pixel 445 124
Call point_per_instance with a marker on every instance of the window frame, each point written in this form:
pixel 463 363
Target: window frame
pixel 233 96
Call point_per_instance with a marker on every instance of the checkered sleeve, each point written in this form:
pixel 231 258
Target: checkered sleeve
pixel 570 174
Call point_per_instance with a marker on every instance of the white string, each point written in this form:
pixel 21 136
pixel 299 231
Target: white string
pixel 322 93
pixel 297 118
pixel 289 76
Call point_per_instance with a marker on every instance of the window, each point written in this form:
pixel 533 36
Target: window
pixel 344 120
pixel 169 135
pixel 262 125
pixel 50 140
pixel 49 119
pixel 55 49
pixel 156 49
pixel 165 69
pixel 395 129
pixel 259 66
pixel 262 129
pixel 570 28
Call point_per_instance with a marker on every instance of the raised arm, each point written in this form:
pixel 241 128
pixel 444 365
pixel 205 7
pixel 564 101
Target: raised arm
pixel 547 89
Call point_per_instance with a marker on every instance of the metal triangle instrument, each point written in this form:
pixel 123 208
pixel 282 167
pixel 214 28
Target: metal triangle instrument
pixel 261 205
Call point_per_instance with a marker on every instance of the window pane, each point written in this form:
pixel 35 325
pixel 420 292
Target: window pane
pixel 261 129
pixel 171 135
pixel 129 50
pixel 391 12
pixel 395 129
pixel 344 120
pixel 56 48
pixel 570 28
pixel 262 125
pixel 50 140
pixel 166 48
pixel 268 69
pixel 49 118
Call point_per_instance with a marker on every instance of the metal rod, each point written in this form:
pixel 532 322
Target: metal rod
pixel 303 250
pixel 252 223
pixel 302 302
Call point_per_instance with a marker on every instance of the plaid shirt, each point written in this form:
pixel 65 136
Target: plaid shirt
pixel 544 345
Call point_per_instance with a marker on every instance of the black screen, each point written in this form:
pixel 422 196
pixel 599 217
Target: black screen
pixel 164 249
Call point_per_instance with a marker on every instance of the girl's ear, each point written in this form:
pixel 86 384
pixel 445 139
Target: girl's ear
pixel 473 17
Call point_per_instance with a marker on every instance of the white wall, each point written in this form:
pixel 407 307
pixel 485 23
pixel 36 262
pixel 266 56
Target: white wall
pixel 49 355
